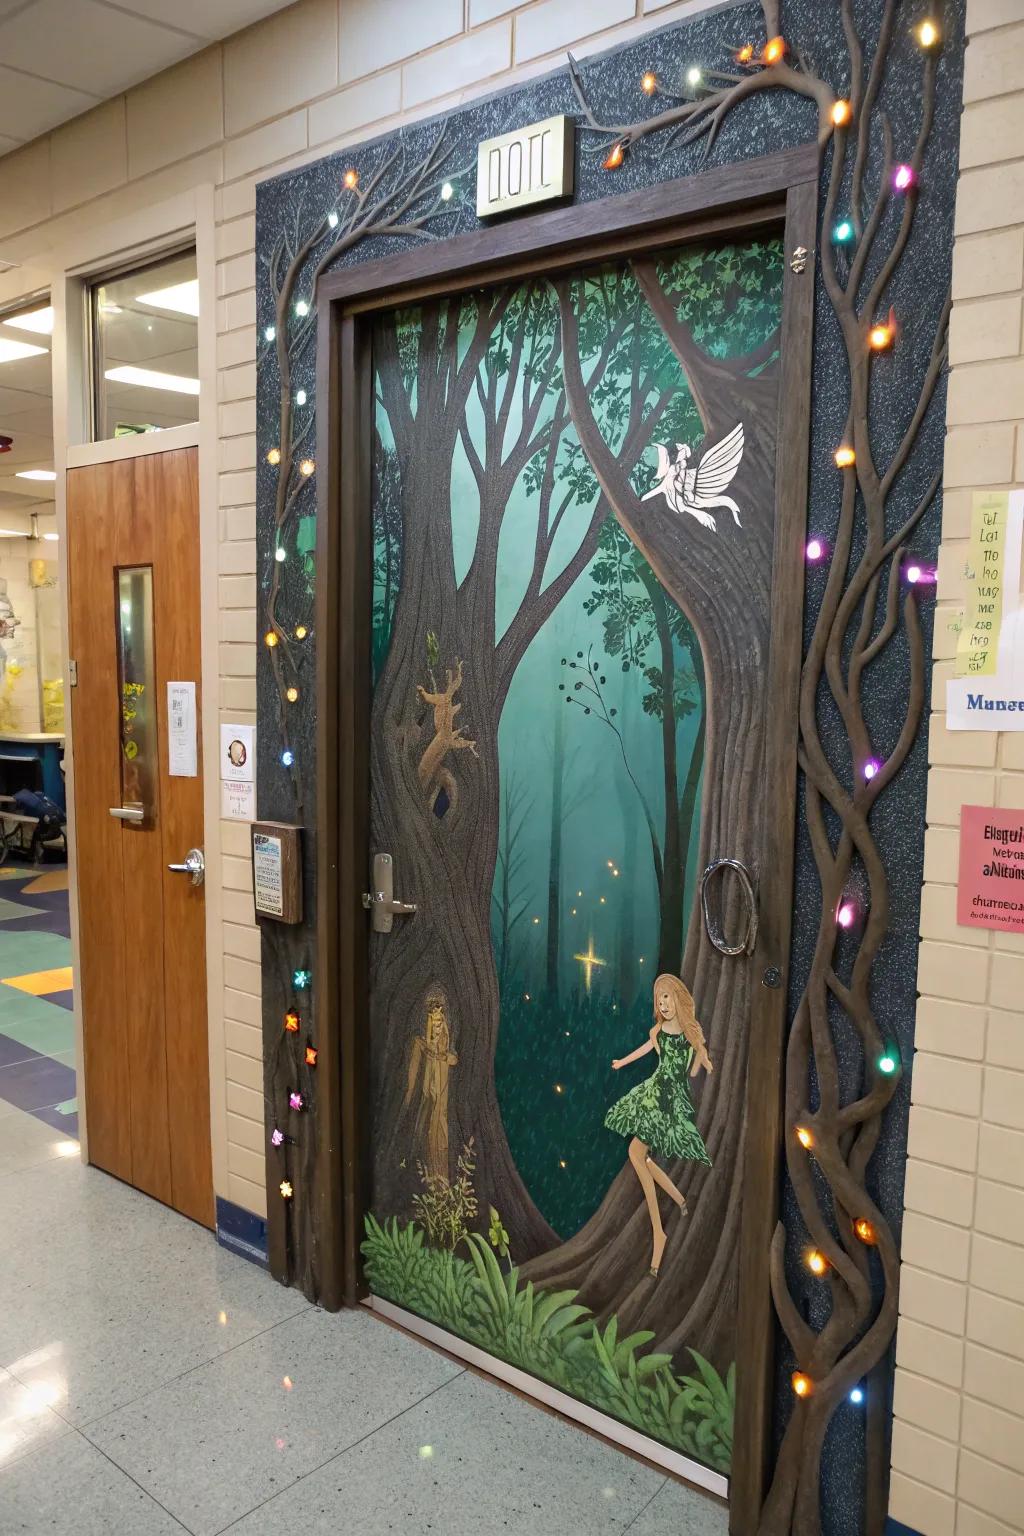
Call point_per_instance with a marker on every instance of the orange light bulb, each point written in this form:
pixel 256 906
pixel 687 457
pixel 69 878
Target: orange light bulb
pixel 310 1056
pixel 270 639
pixel 614 158
pixel 804 1136
pixel 801 1384
pixel 351 179
pixel 816 1262
pixel 649 83
pixel 880 337
pixel 841 113
pixel 745 54
pixel 291 1022
pixel 865 1230
pixel 774 50
pixel 845 456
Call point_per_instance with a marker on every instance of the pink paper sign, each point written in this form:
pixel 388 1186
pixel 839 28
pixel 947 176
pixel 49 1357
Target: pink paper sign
pixel 990 893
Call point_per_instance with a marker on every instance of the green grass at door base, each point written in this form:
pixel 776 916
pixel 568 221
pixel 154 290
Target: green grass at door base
pixel 552 1336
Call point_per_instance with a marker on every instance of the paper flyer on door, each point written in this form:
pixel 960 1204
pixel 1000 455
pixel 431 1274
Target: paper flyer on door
pixel 987 692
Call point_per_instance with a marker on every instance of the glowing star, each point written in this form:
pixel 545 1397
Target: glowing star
pixel 588 962
pixel 286 1189
pixel 277 1138
pixel 295 1100
pixel 845 457
pixel 291 1022
pixel 649 83
pixel 311 1056
pixel 698 489
pixel 775 50
pixel 614 157
pixel 351 179
pixel 841 113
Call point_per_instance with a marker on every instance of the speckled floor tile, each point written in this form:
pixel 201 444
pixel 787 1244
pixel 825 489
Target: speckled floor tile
pixel 69 1487
pixel 227 1437
pixel 26 1142
pixel 26 1420
pixel 470 1460
pixel 680 1511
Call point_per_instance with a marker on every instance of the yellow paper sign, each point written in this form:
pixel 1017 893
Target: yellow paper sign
pixel 978 646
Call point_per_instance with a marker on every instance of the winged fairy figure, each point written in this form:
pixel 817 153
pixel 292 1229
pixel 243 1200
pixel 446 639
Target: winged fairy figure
pixel 696 490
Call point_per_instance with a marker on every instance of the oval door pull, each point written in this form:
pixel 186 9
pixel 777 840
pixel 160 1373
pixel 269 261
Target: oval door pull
pixel 746 945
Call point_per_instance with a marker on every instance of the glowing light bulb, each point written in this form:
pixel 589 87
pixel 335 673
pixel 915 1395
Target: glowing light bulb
pixel 871 767
pixel 845 456
pixel 301 307
pixel 815 550
pixel 351 179
pixel 857 1395
pixel 816 1262
pixel 286 1189
pixel 887 1064
pixel 306 468
pixel 649 83
pixel 694 77
pixel 295 1099
pixel 291 694
pixel 447 192
pixel 775 50
pixel 615 157
pixel 291 1022
pixel 562 1163
pixel 300 397
pixel 559 1088
pixel 277 1137
pixel 804 1137
pixel 846 915
pixel 311 1055
pixel 332 219
pixel 536 920
pixel 841 113
pixel 914 574
pixel 269 333
pixel 274 456
pixel 302 979
pixel 843 232
pixel 288 757
pixel 301 631
pixel 280 554
pixel 865 1230
pixel 745 54
pixel 801 1384
pixel 270 639
pixel 928 34
pixel 903 178
pixel 881 337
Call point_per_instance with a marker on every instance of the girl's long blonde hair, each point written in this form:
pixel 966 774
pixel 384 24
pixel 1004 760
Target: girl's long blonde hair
pixel 686 1015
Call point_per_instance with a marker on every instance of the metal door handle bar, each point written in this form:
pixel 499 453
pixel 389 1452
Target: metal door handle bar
pixel 714 933
pixel 134 813
pixel 194 865
pixel 381 900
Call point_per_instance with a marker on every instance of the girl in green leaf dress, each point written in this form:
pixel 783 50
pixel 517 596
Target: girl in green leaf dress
pixel 658 1113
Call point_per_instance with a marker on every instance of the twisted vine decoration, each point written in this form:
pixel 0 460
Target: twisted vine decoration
pixel 865 608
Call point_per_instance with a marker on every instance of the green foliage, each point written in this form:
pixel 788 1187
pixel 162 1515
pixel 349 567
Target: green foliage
pixel 446 1207
pixel 553 1336
pixel 497 1235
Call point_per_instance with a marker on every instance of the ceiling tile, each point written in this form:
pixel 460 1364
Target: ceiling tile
pixel 202 18
pixel 85 44
pixel 29 107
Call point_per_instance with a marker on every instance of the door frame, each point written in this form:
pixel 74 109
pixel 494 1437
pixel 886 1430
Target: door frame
pixel 779 192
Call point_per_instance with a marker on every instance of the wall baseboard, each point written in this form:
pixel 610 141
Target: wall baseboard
pixel 246 1235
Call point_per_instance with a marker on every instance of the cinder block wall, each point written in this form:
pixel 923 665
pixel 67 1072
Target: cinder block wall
pixel 958 1439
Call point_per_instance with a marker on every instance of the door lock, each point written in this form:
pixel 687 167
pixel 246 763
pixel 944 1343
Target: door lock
pixel 380 902
pixel 194 865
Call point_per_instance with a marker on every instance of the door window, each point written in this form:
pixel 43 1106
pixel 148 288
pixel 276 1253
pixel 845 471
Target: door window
pixel 145 330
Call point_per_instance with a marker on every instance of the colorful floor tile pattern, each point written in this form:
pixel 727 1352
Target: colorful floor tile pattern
pixel 37 1045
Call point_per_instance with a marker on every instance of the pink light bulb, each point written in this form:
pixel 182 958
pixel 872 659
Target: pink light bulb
pixel 277 1138
pixel 914 574
pixel 815 550
pixel 903 178
pixel 295 1100
pixel 871 767
pixel 846 915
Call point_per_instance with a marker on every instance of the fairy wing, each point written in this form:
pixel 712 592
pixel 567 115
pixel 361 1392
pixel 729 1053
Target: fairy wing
pixel 664 468
pixel 717 468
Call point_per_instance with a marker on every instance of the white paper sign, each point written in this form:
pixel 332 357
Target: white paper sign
pixel 995 701
pixel 238 753
pixel 182 760
pixel 237 801
pixel 266 874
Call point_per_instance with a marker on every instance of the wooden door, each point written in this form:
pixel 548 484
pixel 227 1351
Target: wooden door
pixel 574 520
pixel 133 559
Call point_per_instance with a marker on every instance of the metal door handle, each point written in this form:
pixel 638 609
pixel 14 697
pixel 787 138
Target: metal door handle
pixel 133 813
pixel 194 865
pixel 746 945
pixel 381 900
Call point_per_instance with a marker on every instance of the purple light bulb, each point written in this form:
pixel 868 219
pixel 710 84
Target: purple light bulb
pixel 815 550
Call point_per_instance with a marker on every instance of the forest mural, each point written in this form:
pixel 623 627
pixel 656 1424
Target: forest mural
pixel 573 520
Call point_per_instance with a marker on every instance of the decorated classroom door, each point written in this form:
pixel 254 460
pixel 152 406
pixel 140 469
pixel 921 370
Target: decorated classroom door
pixel 573 509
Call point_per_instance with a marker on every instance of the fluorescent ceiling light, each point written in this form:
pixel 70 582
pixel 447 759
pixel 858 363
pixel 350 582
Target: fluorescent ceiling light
pixel 183 298
pixel 13 533
pixel 35 474
pixel 40 320
pixel 146 378
pixel 51 538
pixel 14 351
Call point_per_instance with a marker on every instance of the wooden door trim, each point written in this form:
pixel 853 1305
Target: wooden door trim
pixel 777 190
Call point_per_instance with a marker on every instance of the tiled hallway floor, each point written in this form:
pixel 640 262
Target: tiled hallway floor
pixel 155 1383
pixel 37 1041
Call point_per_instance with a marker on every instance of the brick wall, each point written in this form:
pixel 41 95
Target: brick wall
pixel 958 1439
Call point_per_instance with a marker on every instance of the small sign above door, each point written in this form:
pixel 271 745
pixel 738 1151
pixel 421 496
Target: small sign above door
pixel 530 165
